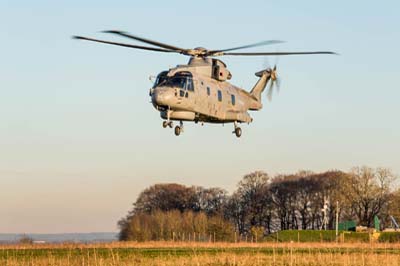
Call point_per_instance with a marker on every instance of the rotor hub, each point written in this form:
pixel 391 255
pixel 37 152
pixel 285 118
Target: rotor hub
pixel 273 75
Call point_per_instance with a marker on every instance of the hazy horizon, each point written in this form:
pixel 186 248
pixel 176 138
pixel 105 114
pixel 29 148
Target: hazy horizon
pixel 79 139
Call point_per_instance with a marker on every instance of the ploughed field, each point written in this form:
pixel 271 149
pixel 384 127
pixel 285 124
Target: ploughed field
pixel 183 253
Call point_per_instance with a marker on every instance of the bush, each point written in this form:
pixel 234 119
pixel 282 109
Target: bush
pixel 257 233
pixel 355 237
pixel 317 236
pixel 389 237
pixel 303 236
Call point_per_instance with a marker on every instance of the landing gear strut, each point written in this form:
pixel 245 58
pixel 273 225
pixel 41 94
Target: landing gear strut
pixel 238 130
pixel 179 129
pixel 167 122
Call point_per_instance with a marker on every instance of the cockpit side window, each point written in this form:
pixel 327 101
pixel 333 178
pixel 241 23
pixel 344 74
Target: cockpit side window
pixel 162 77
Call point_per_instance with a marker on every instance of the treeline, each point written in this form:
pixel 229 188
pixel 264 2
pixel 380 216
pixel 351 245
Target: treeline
pixel 262 205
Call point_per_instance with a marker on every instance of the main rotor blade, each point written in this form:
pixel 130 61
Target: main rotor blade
pixel 125 45
pixel 246 46
pixel 159 44
pixel 279 53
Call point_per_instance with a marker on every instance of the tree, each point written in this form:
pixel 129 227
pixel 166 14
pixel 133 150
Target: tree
pixel 167 197
pixel 211 200
pixel 368 190
pixel 251 203
pixel 176 225
pixel 163 209
pixel 394 207
pixel 284 190
pixel 262 204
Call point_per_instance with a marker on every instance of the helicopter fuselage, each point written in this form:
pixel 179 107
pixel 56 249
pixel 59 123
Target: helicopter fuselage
pixel 191 93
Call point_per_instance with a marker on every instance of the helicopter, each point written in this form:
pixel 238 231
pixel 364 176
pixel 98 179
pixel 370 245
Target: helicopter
pixel 199 91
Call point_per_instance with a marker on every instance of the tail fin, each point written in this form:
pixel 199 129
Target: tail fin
pixel 265 76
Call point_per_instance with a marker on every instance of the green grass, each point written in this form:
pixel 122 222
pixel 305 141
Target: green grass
pixel 175 252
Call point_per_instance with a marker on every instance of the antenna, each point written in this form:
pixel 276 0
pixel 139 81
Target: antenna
pixel 324 214
pixel 337 219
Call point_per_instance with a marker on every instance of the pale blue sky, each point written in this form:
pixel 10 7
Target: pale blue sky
pixel 79 138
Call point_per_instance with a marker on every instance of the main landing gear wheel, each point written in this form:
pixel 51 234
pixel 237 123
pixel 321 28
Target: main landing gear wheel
pixel 178 130
pixel 238 132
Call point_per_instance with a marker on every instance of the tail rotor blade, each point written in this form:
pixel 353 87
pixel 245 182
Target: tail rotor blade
pixel 270 91
pixel 278 84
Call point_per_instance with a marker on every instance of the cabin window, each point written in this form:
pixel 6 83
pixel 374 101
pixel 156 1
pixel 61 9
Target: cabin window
pixel 233 99
pixel 189 84
pixel 208 91
pixel 219 96
pixel 181 93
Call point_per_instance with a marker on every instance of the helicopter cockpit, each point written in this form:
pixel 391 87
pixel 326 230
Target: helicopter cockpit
pixel 182 80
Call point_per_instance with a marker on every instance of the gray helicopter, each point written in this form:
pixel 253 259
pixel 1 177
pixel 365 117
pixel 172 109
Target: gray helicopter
pixel 199 91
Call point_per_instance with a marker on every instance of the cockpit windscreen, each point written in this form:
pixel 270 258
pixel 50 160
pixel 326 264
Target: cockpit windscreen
pixel 181 80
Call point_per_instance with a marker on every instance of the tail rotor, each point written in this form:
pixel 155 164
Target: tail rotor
pixel 275 82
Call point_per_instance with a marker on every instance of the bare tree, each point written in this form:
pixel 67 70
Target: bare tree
pixel 368 190
pixel 211 200
pixel 253 198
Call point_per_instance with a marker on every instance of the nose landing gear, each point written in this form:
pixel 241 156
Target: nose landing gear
pixel 177 130
pixel 167 124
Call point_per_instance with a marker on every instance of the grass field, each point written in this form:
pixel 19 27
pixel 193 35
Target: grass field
pixel 175 253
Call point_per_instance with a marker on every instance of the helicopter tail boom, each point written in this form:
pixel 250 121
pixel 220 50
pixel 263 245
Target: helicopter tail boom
pixel 265 76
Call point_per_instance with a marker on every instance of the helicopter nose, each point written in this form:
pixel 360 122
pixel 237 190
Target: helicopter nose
pixel 162 97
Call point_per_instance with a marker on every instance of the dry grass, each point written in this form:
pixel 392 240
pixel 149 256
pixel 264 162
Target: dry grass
pixel 170 244
pixel 175 253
